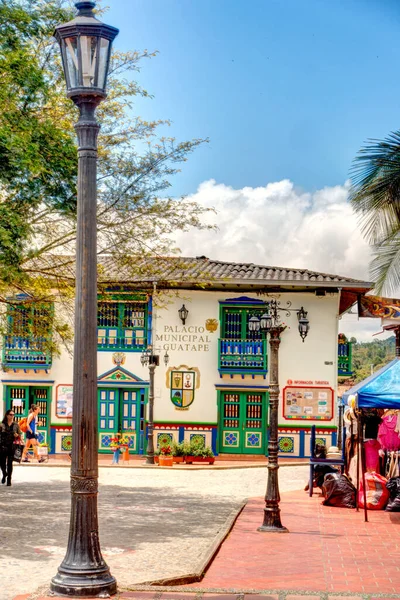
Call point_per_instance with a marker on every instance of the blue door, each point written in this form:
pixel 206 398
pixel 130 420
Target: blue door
pixel 121 411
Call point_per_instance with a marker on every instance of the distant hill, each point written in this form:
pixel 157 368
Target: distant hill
pixel 370 356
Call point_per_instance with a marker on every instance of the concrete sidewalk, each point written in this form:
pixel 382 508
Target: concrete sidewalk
pixel 139 461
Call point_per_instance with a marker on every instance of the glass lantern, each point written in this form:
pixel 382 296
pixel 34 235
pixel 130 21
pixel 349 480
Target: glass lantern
pixel 304 323
pixel 86 49
pixel 254 323
pixel 266 321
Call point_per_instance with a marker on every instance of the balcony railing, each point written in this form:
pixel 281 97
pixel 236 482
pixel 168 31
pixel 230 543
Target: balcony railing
pixel 120 343
pixel 236 355
pixel 25 351
pixel 345 359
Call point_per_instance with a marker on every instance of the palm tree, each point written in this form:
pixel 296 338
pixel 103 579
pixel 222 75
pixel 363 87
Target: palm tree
pixel 375 196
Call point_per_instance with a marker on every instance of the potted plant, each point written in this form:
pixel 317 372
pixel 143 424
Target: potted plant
pixel 178 451
pixel 124 447
pixel 198 452
pixel 115 446
pixel 166 458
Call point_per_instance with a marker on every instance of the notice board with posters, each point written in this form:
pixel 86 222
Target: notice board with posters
pixel 310 403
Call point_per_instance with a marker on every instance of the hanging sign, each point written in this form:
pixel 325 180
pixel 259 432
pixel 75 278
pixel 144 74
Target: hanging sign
pixel 375 306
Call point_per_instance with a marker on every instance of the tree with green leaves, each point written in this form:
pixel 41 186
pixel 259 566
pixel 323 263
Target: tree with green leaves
pixel 375 196
pixel 38 163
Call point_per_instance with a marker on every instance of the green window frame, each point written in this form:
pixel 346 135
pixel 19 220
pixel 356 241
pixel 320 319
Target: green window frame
pixel 241 350
pixel 235 322
pixel 122 325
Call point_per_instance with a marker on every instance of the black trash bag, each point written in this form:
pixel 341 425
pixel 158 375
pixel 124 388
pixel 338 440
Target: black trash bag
pixel 319 474
pixel 338 491
pixel 18 448
pixel 393 485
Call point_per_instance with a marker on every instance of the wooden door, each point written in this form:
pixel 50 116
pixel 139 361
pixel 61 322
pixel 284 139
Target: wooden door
pixel 242 422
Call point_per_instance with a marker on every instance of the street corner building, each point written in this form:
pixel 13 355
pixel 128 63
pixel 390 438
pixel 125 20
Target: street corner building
pixel 216 383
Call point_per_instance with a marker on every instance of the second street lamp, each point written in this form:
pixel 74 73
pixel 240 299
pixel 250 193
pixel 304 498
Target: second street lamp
pixel 85 45
pixel 152 360
pixel 269 323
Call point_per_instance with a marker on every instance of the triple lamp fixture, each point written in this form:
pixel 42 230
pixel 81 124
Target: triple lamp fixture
pixel 148 358
pixel 270 319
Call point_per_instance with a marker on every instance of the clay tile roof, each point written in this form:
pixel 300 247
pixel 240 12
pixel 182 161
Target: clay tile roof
pixel 200 269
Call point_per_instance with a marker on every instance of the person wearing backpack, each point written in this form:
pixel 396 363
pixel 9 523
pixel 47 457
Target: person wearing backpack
pixel 9 432
pixel 31 434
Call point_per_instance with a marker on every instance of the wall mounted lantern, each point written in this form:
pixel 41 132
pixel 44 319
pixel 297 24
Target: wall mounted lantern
pixel 304 324
pixel 183 314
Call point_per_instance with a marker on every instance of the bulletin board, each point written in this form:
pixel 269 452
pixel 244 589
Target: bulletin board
pixel 308 403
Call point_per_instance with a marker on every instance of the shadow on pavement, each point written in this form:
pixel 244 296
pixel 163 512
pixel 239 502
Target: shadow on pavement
pixel 34 517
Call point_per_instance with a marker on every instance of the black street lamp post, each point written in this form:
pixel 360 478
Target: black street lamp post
pixel 152 360
pixel 85 47
pixel 270 323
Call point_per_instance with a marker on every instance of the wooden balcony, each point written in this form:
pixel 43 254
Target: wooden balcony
pixel 23 352
pixel 345 359
pixel 237 356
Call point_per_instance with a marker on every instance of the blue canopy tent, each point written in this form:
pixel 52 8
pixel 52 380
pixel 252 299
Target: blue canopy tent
pixel 380 390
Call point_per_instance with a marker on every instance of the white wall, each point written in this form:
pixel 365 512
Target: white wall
pixel 194 346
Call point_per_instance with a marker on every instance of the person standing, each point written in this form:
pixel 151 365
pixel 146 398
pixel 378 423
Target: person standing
pixel 9 432
pixel 31 435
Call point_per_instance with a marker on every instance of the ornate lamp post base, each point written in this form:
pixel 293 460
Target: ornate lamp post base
pixel 272 522
pixel 68 583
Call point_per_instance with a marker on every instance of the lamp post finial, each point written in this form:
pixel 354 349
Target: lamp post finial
pixel 85 7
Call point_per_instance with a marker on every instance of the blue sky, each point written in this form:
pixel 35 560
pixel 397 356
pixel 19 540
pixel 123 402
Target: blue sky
pixel 282 88
pixel 287 91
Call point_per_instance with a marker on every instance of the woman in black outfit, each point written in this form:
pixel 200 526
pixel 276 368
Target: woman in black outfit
pixel 9 431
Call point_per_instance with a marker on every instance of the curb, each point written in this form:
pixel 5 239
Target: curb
pixel 180 468
pixel 205 560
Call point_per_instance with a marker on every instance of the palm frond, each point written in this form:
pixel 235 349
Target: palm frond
pixel 385 266
pixel 375 191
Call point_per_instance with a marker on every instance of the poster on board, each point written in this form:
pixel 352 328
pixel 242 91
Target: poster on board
pixel 308 403
pixel 64 401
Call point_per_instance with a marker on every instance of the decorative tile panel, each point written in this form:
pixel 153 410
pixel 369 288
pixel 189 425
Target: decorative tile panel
pixel 231 439
pixel 286 445
pixel 198 436
pixel 66 443
pixel 253 439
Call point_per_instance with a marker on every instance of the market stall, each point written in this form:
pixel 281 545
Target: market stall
pixel 372 418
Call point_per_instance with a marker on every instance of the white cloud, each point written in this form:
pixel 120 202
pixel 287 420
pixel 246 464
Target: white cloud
pixel 282 226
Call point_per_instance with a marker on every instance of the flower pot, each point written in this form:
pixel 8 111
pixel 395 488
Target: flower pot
pixel 43 450
pixel 165 461
pixel 200 459
pixel 178 459
pixel 156 458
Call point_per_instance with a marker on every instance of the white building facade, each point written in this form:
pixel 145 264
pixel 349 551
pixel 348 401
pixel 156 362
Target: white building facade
pixel 216 382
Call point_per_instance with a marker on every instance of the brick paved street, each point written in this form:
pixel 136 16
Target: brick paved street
pixel 329 550
pixel 153 522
